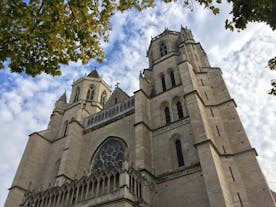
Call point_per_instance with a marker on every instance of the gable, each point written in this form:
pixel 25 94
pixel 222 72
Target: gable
pixel 117 96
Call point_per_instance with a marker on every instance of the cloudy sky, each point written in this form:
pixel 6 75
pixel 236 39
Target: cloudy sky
pixel 26 103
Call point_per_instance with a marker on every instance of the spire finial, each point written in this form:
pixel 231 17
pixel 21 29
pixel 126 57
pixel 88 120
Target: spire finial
pixel 117 85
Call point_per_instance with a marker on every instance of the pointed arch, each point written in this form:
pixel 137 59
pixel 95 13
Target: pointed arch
pixel 103 98
pixel 110 154
pixel 163 82
pixel 172 79
pixel 77 94
pixel 167 115
pixel 179 110
pixel 90 93
pixel 179 153
pixel 163 49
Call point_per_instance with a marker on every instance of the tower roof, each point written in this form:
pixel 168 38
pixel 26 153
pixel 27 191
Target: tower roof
pixel 93 74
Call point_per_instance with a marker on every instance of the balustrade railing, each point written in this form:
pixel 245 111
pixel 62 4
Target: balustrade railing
pixel 88 187
pixel 110 113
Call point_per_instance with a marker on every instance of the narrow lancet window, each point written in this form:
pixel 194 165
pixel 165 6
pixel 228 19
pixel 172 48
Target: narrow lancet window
pixel 179 153
pixel 90 94
pixel 163 83
pixel 163 49
pixel 172 79
pixel 77 94
pixel 167 115
pixel 65 128
pixel 103 98
pixel 179 110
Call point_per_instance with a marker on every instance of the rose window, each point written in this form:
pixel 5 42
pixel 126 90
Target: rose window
pixel 110 155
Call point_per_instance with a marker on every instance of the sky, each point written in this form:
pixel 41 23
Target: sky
pixel 26 103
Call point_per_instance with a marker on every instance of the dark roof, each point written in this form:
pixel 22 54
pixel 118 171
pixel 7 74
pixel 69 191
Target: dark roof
pixel 93 74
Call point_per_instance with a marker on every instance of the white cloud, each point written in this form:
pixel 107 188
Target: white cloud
pixel 26 103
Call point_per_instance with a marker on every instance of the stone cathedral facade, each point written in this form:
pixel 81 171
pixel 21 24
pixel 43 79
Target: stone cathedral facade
pixel 177 142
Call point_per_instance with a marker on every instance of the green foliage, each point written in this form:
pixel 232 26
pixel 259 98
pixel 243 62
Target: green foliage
pixel 245 11
pixel 39 35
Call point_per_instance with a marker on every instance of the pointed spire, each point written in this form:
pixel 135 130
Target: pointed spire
pixel 93 74
pixel 63 97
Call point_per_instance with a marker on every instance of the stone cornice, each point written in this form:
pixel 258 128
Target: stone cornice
pixel 189 93
pixel 168 124
pixel 65 176
pixel 18 187
pixel 42 137
pixel 167 56
pixel 143 123
pixel 182 171
pixel 209 105
pixel 209 141
pixel 141 90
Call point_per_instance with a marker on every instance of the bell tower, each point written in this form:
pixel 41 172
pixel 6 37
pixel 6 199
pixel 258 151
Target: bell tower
pixel 89 95
pixel 177 141
pixel 91 92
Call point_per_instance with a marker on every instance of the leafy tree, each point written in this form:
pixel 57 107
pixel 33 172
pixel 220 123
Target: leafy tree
pixel 38 35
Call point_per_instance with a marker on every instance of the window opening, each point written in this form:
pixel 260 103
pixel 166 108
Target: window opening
pixel 206 96
pixel 218 130
pixel 163 83
pixel 167 115
pixel 232 175
pixel 163 49
pixel 172 79
pixel 179 153
pixel 103 98
pixel 90 94
pixel 179 110
pixel 110 155
pixel 240 199
pixel 212 113
pixel 65 128
pixel 223 148
pixel 77 94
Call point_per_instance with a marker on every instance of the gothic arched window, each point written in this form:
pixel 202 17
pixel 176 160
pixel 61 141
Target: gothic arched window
pixel 163 49
pixel 110 155
pixel 167 115
pixel 103 98
pixel 179 110
pixel 172 78
pixel 163 83
pixel 90 94
pixel 179 153
pixel 77 94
